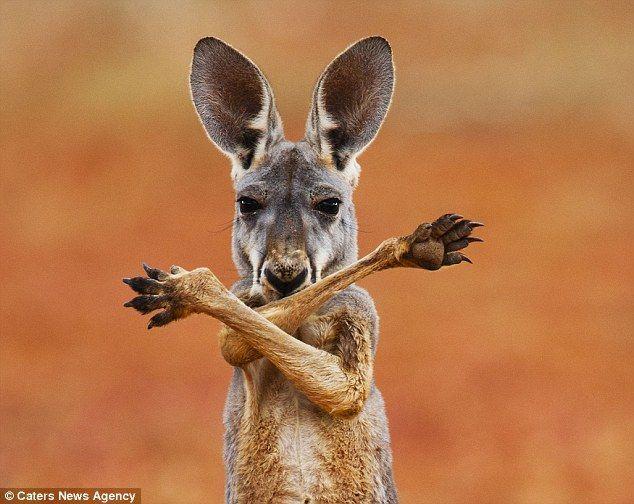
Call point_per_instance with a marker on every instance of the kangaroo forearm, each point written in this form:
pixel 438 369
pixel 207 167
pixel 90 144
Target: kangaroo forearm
pixel 316 373
pixel 289 313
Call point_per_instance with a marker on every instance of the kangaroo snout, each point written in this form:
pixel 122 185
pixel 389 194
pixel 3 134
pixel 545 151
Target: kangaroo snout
pixel 286 273
pixel 285 287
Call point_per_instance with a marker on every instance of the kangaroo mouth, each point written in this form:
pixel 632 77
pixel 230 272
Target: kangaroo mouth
pixel 285 288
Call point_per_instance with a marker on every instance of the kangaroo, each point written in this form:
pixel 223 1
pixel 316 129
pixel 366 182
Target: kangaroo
pixel 304 420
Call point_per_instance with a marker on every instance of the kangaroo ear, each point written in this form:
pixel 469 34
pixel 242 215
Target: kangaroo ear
pixel 234 102
pixel 350 102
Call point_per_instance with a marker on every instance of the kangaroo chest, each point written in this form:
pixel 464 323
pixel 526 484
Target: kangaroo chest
pixel 281 448
pixel 295 434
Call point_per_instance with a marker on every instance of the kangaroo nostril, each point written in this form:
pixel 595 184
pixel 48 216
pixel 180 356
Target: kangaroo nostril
pixel 285 287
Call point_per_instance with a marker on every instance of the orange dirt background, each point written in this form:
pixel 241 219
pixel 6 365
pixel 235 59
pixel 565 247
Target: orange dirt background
pixel 509 381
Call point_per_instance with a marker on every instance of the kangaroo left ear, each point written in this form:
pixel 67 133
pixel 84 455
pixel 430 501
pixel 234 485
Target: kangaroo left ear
pixel 234 102
pixel 350 102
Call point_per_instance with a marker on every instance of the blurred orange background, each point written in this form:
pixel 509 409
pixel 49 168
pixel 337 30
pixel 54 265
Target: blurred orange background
pixel 509 381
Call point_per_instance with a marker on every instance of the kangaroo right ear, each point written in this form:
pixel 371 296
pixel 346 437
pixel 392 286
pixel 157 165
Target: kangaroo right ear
pixel 234 102
pixel 350 102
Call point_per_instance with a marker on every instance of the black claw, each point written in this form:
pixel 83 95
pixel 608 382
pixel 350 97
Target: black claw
pixel 475 224
pixel 146 304
pixel 465 258
pixel 474 239
pixel 144 285
pixel 151 272
pixel 460 224
pixel 456 245
pixel 155 273
pixel 455 217
pixel 161 319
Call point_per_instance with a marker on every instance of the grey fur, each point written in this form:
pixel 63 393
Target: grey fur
pixel 288 236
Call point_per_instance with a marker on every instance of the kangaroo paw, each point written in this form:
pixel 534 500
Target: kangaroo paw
pixel 438 244
pixel 178 293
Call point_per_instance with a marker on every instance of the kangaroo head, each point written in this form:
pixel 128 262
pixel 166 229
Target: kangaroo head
pixel 295 219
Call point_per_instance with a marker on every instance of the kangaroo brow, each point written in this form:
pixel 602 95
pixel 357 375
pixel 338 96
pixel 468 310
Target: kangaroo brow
pixel 326 191
pixel 255 190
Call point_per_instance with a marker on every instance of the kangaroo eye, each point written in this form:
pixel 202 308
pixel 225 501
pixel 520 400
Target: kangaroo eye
pixel 248 205
pixel 329 206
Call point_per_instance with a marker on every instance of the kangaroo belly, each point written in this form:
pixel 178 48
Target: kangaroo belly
pixel 283 449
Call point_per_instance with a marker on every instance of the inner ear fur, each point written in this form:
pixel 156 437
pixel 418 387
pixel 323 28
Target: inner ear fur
pixel 234 102
pixel 350 102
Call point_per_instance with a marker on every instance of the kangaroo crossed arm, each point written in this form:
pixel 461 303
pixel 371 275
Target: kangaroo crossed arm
pixel 250 334
pixel 291 312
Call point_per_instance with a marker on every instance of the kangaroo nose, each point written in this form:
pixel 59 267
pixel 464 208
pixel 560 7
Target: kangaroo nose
pixel 287 285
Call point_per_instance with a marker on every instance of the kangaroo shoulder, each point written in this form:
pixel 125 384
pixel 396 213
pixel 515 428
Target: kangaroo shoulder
pixel 353 301
pixel 348 316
